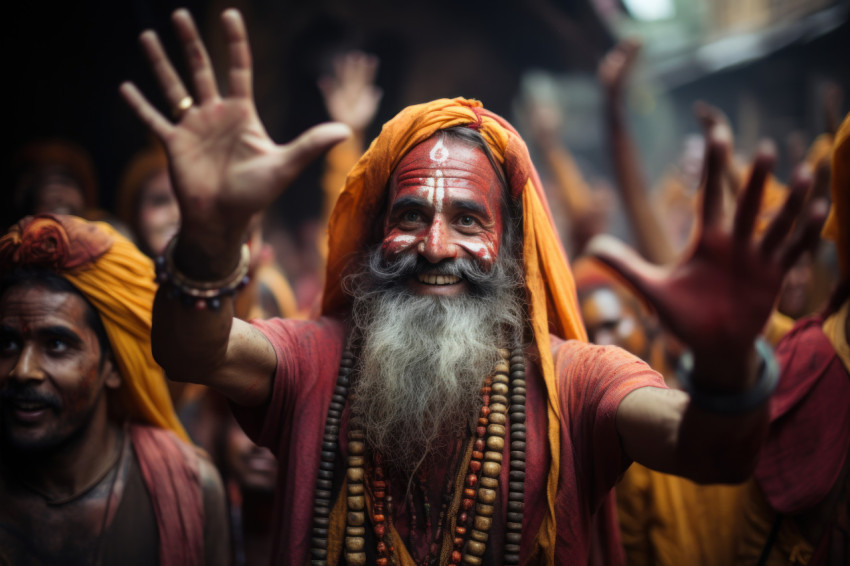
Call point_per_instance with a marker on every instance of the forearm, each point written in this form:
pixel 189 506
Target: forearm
pixel 652 242
pixel 200 341
pixel 668 431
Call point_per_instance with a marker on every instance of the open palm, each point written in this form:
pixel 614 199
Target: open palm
pixel 224 165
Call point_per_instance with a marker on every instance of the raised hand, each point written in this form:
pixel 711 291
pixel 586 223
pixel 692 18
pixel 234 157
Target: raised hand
pixel 616 66
pixel 718 297
pixel 224 165
pixel 350 94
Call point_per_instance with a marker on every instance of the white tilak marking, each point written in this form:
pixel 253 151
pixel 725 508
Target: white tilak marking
pixel 439 153
pixel 435 190
pixel 404 239
pixel 478 248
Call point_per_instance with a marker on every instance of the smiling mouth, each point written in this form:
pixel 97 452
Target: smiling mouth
pixel 29 405
pixel 432 279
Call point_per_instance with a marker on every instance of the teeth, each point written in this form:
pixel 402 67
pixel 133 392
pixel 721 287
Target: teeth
pixel 431 279
pixel 28 406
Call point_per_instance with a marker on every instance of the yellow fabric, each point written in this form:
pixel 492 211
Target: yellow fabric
pixel 355 226
pixel 667 520
pixel 835 228
pixel 790 548
pixel 338 162
pixel 820 150
pixel 118 280
pixel 144 165
pixel 834 330
pixel 777 326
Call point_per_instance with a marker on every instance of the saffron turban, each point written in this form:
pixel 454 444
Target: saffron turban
pixel 836 226
pixel 118 280
pixel 550 290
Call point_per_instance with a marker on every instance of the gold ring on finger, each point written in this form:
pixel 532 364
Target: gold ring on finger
pixel 185 103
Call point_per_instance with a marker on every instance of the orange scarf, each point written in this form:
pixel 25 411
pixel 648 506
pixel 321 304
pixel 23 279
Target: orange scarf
pixel 548 281
pixel 835 228
pixel 118 280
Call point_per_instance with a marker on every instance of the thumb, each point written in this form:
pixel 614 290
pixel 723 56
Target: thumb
pixel 628 265
pixel 298 153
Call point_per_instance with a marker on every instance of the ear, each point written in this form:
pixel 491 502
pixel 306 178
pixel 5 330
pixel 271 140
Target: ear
pixel 112 377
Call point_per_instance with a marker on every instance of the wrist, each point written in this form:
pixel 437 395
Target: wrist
pixel 206 256
pixel 728 386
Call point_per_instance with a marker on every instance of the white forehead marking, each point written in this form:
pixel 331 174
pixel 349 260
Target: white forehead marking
pixel 435 190
pixel 439 153
pixel 477 249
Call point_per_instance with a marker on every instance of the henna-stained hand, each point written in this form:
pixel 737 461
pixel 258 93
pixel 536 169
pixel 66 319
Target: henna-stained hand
pixel 718 297
pixel 224 165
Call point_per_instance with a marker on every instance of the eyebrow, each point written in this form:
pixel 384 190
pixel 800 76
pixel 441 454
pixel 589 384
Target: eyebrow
pixel 60 332
pixel 408 202
pixel 463 204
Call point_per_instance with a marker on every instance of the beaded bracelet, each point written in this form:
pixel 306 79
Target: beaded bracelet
pixel 201 294
pixel 734 403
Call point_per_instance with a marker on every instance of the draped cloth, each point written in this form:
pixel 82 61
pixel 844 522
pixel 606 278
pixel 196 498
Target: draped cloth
pixel 548 282
pixel 172 476
pixel 836 228
pixel 118 280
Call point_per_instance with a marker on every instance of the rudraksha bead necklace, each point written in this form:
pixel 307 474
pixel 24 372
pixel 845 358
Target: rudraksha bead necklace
pixel 475 516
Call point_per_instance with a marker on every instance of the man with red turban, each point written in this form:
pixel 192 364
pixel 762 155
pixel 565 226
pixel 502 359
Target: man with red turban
pixel 445 407
pixel 95 468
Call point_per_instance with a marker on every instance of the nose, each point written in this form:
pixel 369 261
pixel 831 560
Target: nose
pixel 27 367
pixel 437 244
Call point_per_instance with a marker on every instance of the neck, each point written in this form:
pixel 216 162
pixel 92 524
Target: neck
pixel 69 468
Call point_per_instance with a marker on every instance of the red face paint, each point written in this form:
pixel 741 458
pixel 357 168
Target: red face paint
pixel 445 203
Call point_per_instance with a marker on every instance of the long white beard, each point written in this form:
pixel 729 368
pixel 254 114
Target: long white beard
pixel 422 362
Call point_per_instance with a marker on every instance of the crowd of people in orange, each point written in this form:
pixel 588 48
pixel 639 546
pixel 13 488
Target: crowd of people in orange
pixel 432 381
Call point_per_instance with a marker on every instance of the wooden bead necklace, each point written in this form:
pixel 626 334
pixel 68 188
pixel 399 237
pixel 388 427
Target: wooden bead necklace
pixel 502 394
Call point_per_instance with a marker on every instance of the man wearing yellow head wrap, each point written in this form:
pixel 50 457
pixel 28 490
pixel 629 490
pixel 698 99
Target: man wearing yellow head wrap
pixel 90 444
pixel 444 408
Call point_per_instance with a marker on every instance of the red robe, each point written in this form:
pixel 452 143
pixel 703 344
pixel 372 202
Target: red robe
pixel 592 380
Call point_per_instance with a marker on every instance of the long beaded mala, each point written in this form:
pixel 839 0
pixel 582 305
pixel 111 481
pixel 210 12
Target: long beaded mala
pixel 502 394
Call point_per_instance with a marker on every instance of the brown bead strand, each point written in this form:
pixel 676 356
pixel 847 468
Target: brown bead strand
pixel 491 469
pixel 381 510
pixel 355 524
pixel 324 480
pixel 516 476
pixel 473 472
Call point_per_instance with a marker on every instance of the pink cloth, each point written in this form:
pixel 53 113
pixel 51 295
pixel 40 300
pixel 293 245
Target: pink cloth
pixel 592 381
pixel 171 474
pixel 809 435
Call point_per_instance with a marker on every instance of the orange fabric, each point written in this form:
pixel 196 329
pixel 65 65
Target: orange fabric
pixel 573 189
pixel 836 226
pixel 549 283
pixel 144 165
pixel 118 280
pixel 667 520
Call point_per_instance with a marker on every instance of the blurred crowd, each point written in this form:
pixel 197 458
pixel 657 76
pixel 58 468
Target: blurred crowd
pixel 663 519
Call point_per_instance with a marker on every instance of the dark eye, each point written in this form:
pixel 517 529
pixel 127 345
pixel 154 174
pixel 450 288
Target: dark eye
pixel 412 216
pixel 57 346
pixel 8 345
pixel 466 220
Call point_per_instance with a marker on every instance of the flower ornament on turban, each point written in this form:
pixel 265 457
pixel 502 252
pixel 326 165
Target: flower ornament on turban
pixel 118 280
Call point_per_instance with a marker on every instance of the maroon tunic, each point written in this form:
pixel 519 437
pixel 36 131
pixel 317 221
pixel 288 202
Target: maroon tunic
pixel 592 381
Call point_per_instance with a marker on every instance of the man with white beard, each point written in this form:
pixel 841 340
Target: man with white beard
pixel 445 408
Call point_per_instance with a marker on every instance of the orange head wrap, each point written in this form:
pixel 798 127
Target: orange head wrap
pixel 548 282
pixel 836 226
pixel 118 280
pixel 142 167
